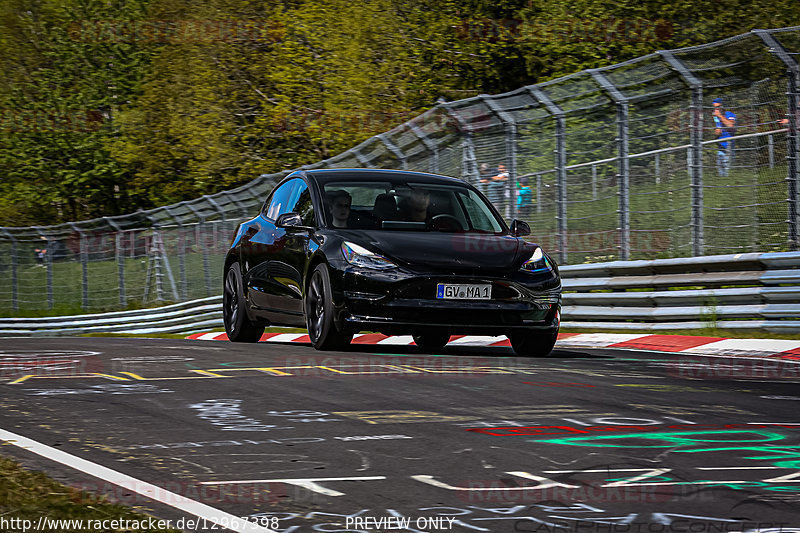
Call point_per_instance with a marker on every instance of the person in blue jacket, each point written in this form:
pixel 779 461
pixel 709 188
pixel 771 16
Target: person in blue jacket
pixel 725 126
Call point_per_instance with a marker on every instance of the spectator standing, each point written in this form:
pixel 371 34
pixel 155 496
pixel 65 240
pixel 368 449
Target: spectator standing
pixel 484 178
pixel 40 254
pixel 725 126
pixel 524 198
pixel 497 186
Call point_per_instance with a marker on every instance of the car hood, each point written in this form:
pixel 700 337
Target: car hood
pixel 448 251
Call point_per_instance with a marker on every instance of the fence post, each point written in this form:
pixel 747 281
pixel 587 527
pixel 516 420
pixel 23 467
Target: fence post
pixel 394 150
pixel 14 283
pixel 84 253
pixel 793 144
pixel 244 211
pixel 560 167
pixel 623 162
pixel 658 168
pixel 469 162
pixel 510 126
pixel 181 255
pixel 363 161
pixel 538 193
pixel 203 247
pixel 771 151
pixel 695 154
pixel 433 166
pixel 120 258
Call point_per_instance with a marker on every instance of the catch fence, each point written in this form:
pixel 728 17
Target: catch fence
pixel 617 163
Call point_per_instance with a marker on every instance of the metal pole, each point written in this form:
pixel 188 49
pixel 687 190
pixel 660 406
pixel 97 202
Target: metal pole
pixel 538 193
pixel 623 162
pixel 594 182
pixel 560 167
pixel 363 161
pixel 181 254
pixel 394 150
pixel 793 140
pixel 14 283
pixel 469 163
pixel 120 257
pixel 203 248
pixel 510 127
pixel 84 254
pixel 658 168
pixel 771 150
pixel 156 252
pixel 429 145
pixel 695 155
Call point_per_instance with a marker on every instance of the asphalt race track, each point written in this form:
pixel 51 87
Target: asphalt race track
pixel 384 438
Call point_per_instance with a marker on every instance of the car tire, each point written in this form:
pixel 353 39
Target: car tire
pixel 318 308
pixel 533 343
pixel 238 325
pixel 431 341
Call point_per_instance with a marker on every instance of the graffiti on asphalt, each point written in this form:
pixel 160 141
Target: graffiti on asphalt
pixel 109 388
pixel 754 444
pixel 227 415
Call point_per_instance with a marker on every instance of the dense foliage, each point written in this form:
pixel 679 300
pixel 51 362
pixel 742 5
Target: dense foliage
pixel 109 106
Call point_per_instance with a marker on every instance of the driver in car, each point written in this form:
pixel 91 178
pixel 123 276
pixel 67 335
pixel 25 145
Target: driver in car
pixel 339 203
pixel 417 210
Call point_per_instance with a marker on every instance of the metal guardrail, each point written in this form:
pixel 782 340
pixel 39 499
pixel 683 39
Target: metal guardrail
pixel 752 291
pixel 185 317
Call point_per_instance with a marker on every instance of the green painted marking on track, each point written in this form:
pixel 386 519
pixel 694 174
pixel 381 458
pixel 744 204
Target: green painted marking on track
pixel 670 439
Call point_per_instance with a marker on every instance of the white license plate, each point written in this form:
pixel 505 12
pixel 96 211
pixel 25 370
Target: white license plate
pixel 447 291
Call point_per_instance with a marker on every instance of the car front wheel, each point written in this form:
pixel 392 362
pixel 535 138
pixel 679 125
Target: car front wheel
pixel 234 314
pixel 533 343
pixel 318 304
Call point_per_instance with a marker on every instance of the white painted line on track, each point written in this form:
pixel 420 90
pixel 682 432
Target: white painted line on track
pixel 200 510
pixel 744 346
pixel 309 483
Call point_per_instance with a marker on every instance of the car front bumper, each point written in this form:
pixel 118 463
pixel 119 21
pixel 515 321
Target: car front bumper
pixel 404 302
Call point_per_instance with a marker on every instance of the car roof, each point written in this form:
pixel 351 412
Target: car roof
pixel 370 174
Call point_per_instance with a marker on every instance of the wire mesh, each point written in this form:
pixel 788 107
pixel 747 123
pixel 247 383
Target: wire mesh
pixel 625 161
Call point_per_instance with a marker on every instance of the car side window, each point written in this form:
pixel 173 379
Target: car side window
pixel 281 200
pixel 303 206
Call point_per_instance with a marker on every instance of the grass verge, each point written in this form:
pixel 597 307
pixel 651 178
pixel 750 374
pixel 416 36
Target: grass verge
pixel 27 495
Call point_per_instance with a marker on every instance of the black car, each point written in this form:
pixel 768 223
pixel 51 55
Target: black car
pixel 397 252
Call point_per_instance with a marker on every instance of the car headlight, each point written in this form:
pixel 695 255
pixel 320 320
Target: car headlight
pixel 361 257
pixel 538 261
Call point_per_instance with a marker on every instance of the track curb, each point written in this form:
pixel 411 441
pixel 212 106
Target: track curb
pixel 776 349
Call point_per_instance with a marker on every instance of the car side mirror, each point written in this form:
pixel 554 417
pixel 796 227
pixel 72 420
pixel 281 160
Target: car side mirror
pixel 520 228
pixel 289 220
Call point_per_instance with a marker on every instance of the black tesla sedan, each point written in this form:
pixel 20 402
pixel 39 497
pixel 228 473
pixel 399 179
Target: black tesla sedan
pixel 397 252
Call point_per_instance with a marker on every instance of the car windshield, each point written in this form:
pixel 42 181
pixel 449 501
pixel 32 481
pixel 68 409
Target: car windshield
pixel 385 205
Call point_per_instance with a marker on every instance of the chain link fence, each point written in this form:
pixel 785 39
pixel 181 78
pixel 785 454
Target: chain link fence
pixel 624 162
